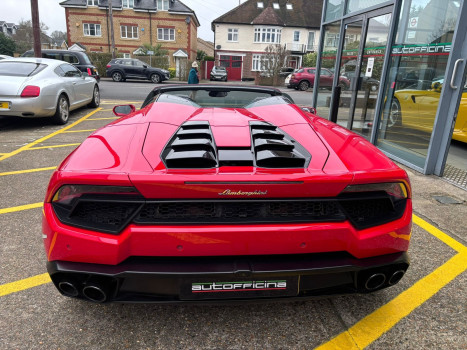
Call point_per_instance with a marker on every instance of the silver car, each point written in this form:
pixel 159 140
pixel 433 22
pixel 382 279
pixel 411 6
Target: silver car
pixel 218 73
pixel 40 87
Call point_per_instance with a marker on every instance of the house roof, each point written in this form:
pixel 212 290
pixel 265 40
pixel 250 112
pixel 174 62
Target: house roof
pixel 304 13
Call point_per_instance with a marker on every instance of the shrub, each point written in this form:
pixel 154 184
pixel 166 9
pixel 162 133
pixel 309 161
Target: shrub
pixel 172 72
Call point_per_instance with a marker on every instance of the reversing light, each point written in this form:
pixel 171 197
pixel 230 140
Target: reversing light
pixel 67 193
pixel 31 91
pixel 394 189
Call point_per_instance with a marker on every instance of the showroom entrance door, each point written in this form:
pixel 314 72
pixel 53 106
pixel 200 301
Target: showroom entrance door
pixel 361 67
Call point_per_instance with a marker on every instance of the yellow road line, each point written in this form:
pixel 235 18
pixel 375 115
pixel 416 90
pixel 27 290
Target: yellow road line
pixel 54 146
pixel 20 208
pixel 70 131
pixel 373 326
pixel 26 283
pixel 42 139
pixel 27 171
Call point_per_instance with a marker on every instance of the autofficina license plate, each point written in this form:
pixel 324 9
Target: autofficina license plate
pixel 4 105
pixel 244 288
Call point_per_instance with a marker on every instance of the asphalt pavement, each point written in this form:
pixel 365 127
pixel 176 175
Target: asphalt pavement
pixel 426 310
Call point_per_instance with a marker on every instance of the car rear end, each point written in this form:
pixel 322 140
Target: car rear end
pixel 297 77
pixel 85 65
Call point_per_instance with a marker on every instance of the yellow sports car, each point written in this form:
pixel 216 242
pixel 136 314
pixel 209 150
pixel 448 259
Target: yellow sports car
pixel 417 109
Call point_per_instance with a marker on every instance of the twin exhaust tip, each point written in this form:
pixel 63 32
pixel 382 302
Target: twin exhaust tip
pixel 377 280
pixel 92 291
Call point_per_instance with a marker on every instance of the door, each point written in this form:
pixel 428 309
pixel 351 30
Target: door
pixel 361 66
pixel 233 65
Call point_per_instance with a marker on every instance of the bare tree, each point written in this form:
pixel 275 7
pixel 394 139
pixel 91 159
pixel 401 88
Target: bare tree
pixel 273 60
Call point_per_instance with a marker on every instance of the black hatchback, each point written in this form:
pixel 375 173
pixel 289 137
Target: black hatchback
pixel 121 69
pixel 77 58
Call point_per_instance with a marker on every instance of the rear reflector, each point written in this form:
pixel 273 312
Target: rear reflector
pixel 31 91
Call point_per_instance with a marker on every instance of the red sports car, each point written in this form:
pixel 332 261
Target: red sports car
pixel 215 192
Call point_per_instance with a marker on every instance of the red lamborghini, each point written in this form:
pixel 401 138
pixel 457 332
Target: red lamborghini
pixel 215 192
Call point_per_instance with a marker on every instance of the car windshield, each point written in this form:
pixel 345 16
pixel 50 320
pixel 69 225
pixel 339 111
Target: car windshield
pixel 219 68
pixel 20 69
pixel 220 98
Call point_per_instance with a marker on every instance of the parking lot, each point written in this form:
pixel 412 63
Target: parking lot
pixel 426 310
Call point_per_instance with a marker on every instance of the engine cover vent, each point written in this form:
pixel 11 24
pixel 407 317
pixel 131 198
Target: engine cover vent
pixel 273 148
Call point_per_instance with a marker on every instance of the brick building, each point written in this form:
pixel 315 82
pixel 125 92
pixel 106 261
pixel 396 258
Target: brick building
pixel 242 34
pixel 136 22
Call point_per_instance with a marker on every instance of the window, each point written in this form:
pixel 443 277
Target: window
pixel 260 63
pixel 162 5
pixel 126 55
pixel 166 34
pixel 232 34
pixel 276 6
pixel 268 35
pixel 93 2
pixel 260 5
pixel 128 3
pixel 289 6
pixel 296 36
pixel 311 41
pixel 129 32
pixel 70 71
pixel 91 29
pixel 70 58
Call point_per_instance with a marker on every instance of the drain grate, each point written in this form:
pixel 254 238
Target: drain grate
pixel 455 176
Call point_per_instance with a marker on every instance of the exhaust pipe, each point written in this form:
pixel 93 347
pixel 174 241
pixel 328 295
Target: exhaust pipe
pixel 375 281
pixel 95 293
pixel 68 288
pixel 396 277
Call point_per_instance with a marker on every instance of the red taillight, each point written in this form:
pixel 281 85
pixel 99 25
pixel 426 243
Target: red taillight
pixel 31 91
pixel 89 72
pixel 108 66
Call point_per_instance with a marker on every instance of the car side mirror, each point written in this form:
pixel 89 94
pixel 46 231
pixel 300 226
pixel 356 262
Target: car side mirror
pixel 123 110
pixel 145 66
pixel 311 110
pixel 437 86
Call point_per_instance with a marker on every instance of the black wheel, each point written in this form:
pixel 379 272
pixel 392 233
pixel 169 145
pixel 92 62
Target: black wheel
pixel 96 98
pixel 156 78
pixel 62 113
pixel 395 114
pixel 117 76
pixel 304 85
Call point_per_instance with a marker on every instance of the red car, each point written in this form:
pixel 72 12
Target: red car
pixel 215 192
pixel 304 78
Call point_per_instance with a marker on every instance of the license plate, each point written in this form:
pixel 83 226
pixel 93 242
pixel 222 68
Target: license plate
pixel 197 289
pixel 5 105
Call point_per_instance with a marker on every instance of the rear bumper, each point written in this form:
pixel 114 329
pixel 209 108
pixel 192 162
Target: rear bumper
pixel 171 280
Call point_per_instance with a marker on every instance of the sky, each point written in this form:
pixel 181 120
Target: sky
pixel 53 15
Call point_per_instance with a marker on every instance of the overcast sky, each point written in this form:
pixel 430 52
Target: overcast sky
pixel 53 15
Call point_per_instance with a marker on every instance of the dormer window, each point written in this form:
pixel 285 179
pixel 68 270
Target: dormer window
pixel 276 6
pixel 129 4
pixel 289 6
pixel 162 5
pixel 93 2
pixel 260 5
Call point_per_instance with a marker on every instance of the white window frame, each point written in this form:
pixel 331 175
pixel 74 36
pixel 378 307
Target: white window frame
pixel 289 6
pixel 232 35
pixel 299 35
pixel 128 4
pixel 257 63
pixel 129 32
pixel 92 2
pixel 268 35
pixel 162 5
pixel 126 55
pixel 260 5
pixel 87 29
pixel 162 33
pixel 275 5
pixel 312 45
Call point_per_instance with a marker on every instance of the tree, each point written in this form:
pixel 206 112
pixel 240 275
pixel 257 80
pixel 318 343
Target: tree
pixel 7 45
pixel 200 55
pixel 309 60
pixel 24 37
pixel 158 50
pixel 273 60
pixel 58 35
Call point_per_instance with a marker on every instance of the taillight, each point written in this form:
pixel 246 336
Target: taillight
pixel 89 72
pixel 108 66
pixel 31 91
pixel 67 193
pixel 396 190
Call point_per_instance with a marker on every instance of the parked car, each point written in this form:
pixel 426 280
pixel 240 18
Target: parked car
pixel 417 109
pixel 240 194
pixel 40 87
pixel 121 69
pixel 365 82
pixel 218 73
pixel 304 78
pixel 77 58
pixel 286 71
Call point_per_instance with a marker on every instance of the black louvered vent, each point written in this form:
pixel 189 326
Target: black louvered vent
pixel 273 148
pixel 192 146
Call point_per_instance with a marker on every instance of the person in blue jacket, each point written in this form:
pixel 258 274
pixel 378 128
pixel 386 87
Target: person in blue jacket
pixel 193 77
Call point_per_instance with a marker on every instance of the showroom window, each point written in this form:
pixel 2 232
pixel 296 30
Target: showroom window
pixel 166 34
pixel 129 32
pixel 91 29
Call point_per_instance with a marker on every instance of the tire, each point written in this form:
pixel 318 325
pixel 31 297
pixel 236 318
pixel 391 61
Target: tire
pixel 62 113
pixel 304 85
pixel 156 78
pixel 96 98
pixel 395 114
pixel 117 77
pixel 343 86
